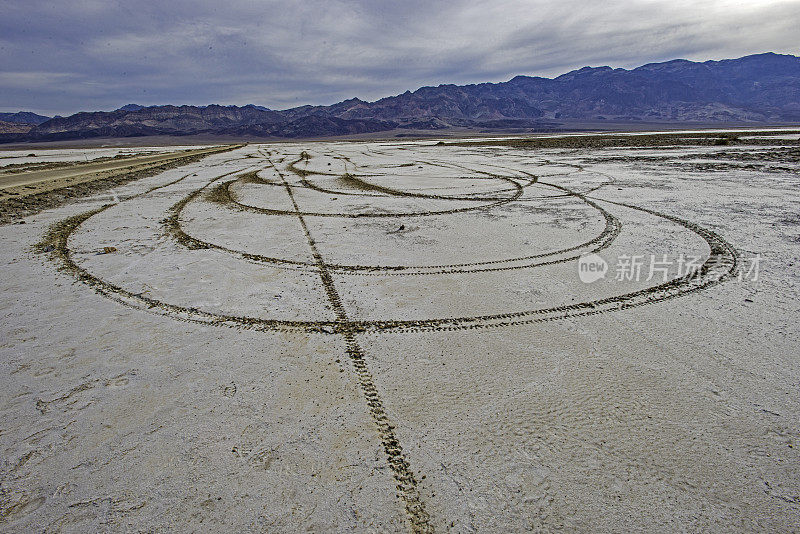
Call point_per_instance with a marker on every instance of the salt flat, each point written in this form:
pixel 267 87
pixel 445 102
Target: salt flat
pixel 395 336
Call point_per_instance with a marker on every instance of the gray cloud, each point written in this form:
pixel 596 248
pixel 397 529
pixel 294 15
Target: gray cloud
pixel 93 54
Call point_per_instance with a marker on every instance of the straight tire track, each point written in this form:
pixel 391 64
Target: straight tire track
pixel 403 475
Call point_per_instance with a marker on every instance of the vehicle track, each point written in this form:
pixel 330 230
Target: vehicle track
pixel 230 198
pixel 403 475
pixel 56 243
pixel 720 266
pixel 222 194
pixel 369 189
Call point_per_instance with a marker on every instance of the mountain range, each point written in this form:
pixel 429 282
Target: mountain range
pixel 761 88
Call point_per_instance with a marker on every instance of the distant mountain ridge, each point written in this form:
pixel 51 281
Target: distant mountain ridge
pixel 130 107
pixel 23 117
pixel 758 88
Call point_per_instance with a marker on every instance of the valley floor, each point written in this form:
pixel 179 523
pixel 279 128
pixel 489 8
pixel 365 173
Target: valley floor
pixel 409 336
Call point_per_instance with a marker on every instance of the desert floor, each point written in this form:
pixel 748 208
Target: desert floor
pixel 395 336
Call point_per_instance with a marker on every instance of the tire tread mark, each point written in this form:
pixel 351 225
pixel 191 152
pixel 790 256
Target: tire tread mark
pixel 720 266
pixel 403 475
pixel 222 193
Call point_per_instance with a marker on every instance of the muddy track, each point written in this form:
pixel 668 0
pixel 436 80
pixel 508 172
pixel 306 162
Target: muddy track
pixel 368 189
pixel 311 185
pixel 303 174
pixel 403 475
pixel 359 183
pixel 720 265
pixel 55 243
pixel 232 199
pixel 222 194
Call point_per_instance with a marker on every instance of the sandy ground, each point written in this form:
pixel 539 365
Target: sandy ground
pixel 394 337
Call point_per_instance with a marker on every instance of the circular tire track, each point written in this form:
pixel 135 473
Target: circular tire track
pixel 223 195
pixel 720 265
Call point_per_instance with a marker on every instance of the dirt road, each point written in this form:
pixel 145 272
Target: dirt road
pixel 29 183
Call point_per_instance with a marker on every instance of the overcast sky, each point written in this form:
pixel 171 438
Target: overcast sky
pixel 64 57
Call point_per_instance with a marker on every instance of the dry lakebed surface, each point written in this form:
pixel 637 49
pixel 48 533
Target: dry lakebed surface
pixel 591 333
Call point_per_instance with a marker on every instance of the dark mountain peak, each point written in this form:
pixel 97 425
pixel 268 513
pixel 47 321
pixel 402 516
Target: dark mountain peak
pixel 764 56
pixel 585 72
pixel 660 64
pixel 747 67
pixel 756 88
pixel 525 82
pixel 767 60
pixel 604 68
pixel 260 108
pixel 130 107
pixel 23 117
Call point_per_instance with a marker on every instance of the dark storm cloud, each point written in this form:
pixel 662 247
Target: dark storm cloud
pixel 86 55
